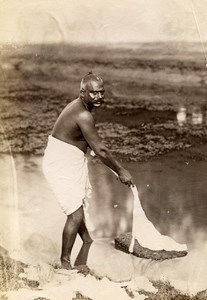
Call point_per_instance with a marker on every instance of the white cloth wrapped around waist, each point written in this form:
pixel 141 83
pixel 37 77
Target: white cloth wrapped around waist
pixel 65 168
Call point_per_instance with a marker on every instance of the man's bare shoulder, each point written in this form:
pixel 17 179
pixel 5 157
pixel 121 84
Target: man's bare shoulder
pixel 82 113
pixel 75 106
pixel 85 115
pixel 77 111
pixel 71 107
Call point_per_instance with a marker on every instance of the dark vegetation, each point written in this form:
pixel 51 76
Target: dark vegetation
pixel 145 87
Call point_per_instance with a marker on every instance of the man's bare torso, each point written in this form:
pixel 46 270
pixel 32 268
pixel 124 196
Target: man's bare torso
pixel 66 127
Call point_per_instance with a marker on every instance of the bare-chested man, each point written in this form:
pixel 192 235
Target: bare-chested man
pixel 65 164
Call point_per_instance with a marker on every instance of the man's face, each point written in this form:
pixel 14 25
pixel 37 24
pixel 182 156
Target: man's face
pixel 94 93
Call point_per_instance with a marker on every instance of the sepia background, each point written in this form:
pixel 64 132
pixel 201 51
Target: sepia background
pixel 152 57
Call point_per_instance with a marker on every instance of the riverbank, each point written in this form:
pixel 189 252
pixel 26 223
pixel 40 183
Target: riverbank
pixel 22 282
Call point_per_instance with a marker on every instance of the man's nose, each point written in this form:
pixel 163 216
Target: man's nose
pixel 100 95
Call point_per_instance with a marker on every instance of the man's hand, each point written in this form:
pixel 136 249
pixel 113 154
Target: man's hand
pixel 125 177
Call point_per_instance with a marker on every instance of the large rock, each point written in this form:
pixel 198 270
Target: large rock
pixel 123 241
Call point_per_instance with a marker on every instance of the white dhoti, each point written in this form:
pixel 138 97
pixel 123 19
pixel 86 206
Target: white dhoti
pixel 65 168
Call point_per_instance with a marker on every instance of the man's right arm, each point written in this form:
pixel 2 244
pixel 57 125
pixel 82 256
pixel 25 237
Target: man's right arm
pixel 89 131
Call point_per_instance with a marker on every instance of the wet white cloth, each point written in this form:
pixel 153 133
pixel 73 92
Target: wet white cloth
pixel 65 168
pixel 145 232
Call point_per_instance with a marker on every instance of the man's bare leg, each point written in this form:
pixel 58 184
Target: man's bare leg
pixel 70 231
pixel 84 234
pixel 82 257
pixel 81 260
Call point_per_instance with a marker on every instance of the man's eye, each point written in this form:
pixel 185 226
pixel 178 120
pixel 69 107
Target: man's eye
pixel 97 92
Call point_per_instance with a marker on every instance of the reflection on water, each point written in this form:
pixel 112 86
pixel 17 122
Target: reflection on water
pixel 194 117
pixel 181 116
pixel 111 203
pixel 197 118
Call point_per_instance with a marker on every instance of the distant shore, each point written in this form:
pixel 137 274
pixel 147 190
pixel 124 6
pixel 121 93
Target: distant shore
pixel 145 88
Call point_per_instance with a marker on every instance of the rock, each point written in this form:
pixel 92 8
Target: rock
pixel 123 241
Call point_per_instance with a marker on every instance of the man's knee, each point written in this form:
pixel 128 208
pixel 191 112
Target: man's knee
pixel 76 216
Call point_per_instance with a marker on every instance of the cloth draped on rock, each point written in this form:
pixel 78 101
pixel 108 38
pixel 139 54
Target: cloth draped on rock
pixel 146 234
pixel 65 168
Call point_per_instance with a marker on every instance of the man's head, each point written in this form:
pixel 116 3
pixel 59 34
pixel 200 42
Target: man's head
pixel 92 90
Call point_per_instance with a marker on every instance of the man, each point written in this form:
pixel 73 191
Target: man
pixel 65 164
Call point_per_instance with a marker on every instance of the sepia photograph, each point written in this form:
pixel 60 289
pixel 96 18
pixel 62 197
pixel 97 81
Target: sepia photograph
pixel 103 150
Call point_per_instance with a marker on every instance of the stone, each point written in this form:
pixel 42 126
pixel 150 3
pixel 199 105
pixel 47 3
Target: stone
pixel 123 241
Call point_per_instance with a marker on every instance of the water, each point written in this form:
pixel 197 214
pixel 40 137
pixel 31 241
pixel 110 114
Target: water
pixel 172 192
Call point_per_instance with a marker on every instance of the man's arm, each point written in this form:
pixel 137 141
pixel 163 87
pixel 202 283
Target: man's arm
pixel 89 131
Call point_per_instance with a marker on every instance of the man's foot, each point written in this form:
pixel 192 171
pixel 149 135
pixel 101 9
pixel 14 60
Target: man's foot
pixel 82 269
pixel 65 264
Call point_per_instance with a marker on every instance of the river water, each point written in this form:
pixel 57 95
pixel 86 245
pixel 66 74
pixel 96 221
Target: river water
pixel 172 192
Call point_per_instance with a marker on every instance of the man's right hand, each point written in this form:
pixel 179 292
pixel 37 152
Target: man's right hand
pixel 125 177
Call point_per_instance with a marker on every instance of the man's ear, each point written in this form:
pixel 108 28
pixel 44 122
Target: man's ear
pixel 82 93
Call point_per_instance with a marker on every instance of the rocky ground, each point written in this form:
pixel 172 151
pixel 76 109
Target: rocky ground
pixel 14 277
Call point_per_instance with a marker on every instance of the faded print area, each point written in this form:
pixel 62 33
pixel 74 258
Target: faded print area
pixel 151 56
